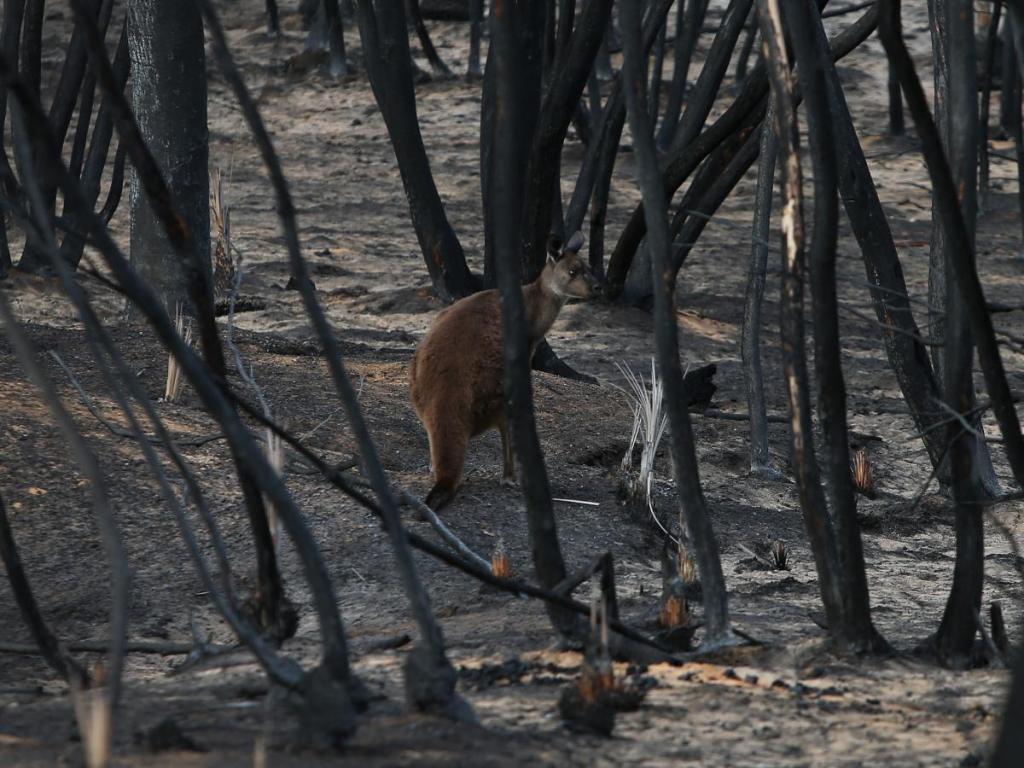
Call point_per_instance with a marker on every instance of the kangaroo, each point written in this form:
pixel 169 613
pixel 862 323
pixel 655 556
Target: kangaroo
pixel 456 378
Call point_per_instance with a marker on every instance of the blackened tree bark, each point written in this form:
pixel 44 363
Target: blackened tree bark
pixel 895 106
pixel 991 44
pixel 182 245
pixel 389 66
pixel 569 76
pixel 688 26
pixel 907 356
pixel 594 179
pixel 273 22
pixel 687 477
pixel 805 464
pixel 113 200
pixel 743 59
pixel 61 109
pixel 437 65
pixel 168 59
pixel 685 141
pixel 750 344
pixel 338 60
pixel 960 251
pixel 514 39
pixel 961 262
pixel 14 12
pixel 686 154
pixel 654 91
pixel 857 633
pixel 476 21
pixel 956 117
pixel 73 245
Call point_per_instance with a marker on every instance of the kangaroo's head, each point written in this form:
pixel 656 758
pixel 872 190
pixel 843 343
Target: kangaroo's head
pixel 566 274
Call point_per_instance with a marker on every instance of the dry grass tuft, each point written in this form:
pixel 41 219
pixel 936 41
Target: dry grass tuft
pixel 95 716
pixel 501 567
pixel 225 265
pixel 863 480
pixel 779 555
pixel 175 377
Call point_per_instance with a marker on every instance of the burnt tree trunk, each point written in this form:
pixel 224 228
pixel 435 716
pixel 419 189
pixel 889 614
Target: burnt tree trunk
pixel 960 252
pixel 61 109
pixel 515 38
pixel 569 76
pixel 688 26
pixel 73 245
pixel 960 257
pixel 168 59
pixel 685 137
pixel 476 23
pixel 956 116
pixel 698 524
pixel 14 12
pixel 991 44
pixel 856 633
pixel 389 66
pixel 750 345
pixel 805 465
pixel 437 65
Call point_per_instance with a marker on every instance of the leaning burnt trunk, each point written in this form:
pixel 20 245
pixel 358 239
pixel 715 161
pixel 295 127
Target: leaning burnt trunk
pixel 389 66
pixel 687 477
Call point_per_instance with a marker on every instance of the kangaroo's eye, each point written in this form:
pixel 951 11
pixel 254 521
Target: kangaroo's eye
pixel 573 272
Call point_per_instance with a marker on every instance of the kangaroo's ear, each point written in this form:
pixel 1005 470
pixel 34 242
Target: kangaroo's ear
pixel 574 244
pixel 554 247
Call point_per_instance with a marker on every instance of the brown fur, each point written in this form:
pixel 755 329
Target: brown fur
pixel 456 375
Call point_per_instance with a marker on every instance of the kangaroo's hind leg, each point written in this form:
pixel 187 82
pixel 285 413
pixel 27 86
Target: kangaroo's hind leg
pixel 508 474
pixel 447 455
